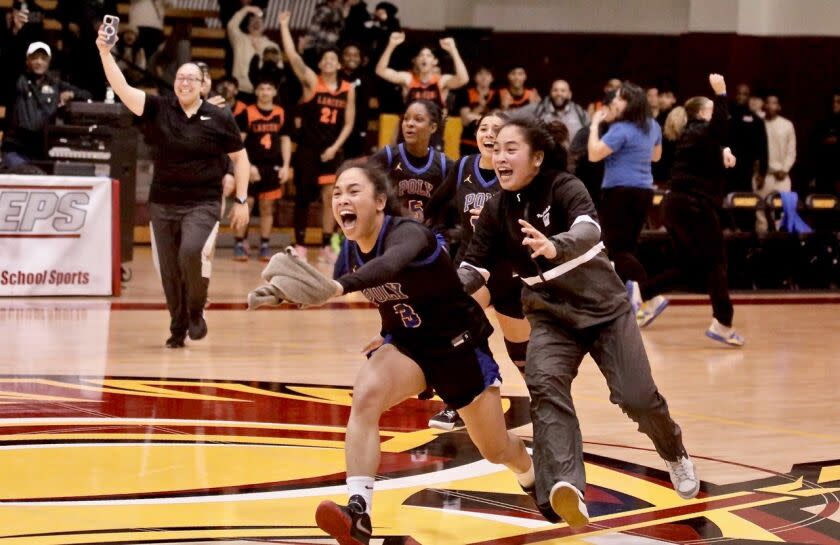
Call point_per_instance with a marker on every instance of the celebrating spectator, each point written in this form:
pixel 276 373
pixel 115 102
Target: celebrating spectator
pixel 247 38
pixel 422 83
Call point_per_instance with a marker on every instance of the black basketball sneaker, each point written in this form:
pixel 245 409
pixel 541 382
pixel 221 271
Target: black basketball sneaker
pixel 349 525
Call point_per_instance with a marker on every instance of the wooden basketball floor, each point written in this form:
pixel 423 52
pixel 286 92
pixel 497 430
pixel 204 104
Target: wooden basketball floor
pixel 107 437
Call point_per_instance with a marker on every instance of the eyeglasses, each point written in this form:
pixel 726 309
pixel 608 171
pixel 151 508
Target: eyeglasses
pixel 189 79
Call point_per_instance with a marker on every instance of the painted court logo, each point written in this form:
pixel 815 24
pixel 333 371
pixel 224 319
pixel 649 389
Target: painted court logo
pixel 159 461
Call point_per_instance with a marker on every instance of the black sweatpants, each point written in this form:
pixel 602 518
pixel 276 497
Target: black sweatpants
pixel 183 241
pixel 694 226
pixel 622 213
pixel 554 355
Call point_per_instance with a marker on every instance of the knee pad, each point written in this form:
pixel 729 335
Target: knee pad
pixel 517 351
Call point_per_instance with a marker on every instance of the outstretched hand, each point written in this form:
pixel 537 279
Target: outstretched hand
pixel 539 244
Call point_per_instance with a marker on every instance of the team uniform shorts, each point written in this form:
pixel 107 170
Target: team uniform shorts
pixel 459 371
pixel 268 187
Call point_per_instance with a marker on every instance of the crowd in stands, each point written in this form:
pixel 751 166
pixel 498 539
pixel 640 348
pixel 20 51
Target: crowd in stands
pixel 41 76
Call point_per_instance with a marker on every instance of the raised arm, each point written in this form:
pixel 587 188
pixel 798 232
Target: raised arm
pixel 719 124
pixel 389 74
pixel 134 99
pixel 233 30
pixel 306 75
pixel 461 77
pixel 598 150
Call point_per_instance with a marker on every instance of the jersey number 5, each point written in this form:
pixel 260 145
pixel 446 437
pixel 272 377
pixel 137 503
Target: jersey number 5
pixel 416 208
pixel 329 116
pixel 409 318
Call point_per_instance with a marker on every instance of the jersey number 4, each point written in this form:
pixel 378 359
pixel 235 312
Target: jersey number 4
pixel 409 318
pixel 265 141
pixel 329 116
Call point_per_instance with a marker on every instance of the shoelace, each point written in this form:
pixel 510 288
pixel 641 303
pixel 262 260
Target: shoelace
pixel 682 469
pixel 450 413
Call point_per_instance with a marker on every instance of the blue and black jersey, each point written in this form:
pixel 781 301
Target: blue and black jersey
pixel 410 278
pixel 467 187
pixel 414 179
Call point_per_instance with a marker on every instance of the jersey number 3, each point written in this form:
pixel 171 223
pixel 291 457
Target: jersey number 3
pixel 409 318
pixel 329 116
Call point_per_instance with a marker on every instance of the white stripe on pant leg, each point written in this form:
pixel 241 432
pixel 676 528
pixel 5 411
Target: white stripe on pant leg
pixel 155 259
pixel 208 251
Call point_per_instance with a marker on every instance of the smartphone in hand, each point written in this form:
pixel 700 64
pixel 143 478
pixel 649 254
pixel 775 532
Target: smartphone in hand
pixel 111 24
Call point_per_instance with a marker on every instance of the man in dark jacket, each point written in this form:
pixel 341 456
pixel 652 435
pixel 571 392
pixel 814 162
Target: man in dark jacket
pixel 38 96
pixel 748 141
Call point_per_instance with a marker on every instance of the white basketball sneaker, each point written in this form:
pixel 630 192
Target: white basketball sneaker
pixel 567 501
pixel 684 477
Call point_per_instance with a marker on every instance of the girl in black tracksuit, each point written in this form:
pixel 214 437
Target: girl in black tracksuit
pixel 544 224
pixel 691 208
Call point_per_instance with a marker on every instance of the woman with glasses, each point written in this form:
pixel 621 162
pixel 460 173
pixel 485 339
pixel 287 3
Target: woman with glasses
pixel 190 139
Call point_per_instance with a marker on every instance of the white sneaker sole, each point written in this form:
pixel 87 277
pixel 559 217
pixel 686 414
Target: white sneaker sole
pixel 690 495
pixel 566 503
pixel 445 426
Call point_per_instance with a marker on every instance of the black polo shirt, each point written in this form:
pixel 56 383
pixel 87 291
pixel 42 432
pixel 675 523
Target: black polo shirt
pixel 188 152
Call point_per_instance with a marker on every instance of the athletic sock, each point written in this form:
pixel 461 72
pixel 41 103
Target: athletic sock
pixel 527 479
pixel 363 486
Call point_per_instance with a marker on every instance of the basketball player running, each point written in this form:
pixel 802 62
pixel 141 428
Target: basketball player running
pixel 432 334
pixel 468 188
pixel 327 114
pixel 544 223
pixel 265 130
pixel 414 168
pixel 422 83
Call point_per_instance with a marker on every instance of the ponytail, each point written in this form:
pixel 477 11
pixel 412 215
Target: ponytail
pixel 675 124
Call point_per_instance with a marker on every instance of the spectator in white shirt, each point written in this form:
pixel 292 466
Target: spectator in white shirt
pixel 781 154
pixel 247 38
